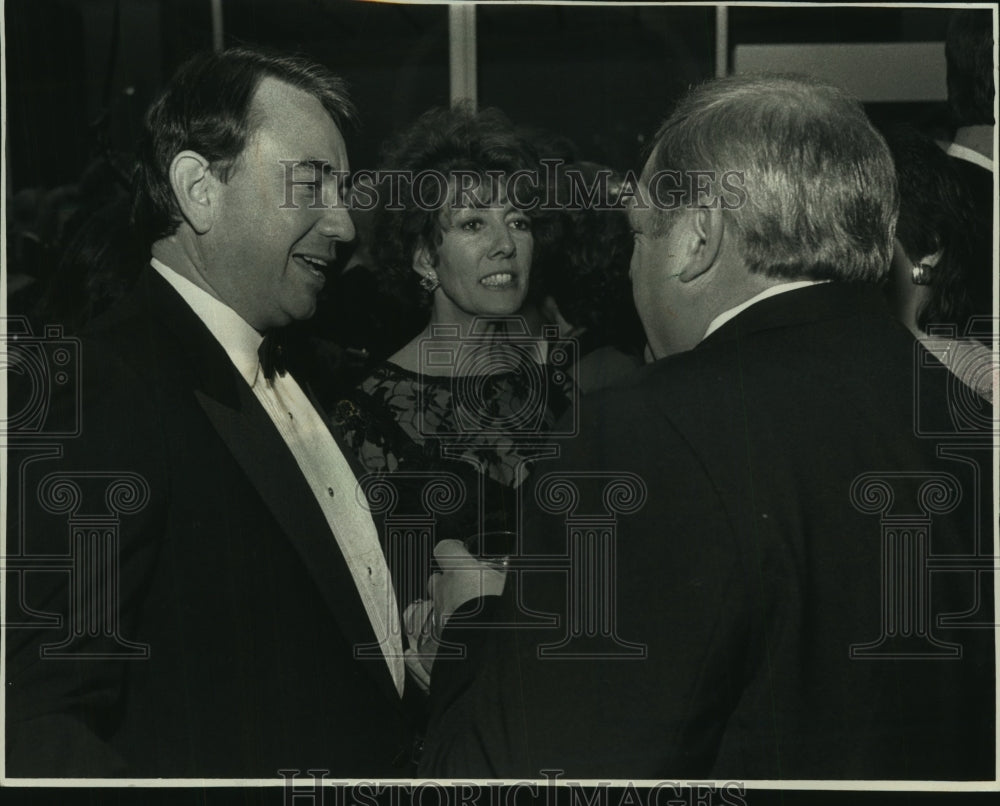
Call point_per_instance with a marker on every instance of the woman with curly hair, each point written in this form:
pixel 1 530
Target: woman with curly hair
pixel 473 392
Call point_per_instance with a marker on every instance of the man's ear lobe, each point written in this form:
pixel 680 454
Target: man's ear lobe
pixel 705 228
pixel 194 184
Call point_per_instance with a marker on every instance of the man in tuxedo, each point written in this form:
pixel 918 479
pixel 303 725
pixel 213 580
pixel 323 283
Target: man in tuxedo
pixel 241 620
pixel 728 574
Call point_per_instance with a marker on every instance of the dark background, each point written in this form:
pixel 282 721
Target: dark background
pixel 80 75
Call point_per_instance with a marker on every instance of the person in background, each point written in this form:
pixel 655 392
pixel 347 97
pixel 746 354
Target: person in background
pixel 97 265
pixel 583 270
pixel 971 90
pixel 55 236
pixel 933 266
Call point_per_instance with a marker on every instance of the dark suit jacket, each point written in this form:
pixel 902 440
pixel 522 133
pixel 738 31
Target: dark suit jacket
pixel 228 574
pixel 754 564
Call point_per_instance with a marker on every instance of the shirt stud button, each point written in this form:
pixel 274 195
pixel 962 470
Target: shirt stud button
pixel 329 491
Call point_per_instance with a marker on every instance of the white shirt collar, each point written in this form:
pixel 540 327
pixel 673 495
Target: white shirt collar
pixel 969 155
pixel 238 339
pixel 774 290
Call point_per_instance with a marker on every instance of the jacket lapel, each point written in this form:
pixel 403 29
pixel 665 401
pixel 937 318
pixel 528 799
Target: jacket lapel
pixel 248 432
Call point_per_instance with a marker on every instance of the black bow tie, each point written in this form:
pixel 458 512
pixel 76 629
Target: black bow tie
pixel 272 356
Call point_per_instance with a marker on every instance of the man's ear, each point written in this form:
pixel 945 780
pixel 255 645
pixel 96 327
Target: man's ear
pixel 701 243
pixel 193 184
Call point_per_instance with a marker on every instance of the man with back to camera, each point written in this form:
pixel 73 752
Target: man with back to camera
pixel 254 573
pixel 757 622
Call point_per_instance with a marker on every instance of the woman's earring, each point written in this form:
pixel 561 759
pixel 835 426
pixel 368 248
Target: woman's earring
pixel 429 282
pixel 921 273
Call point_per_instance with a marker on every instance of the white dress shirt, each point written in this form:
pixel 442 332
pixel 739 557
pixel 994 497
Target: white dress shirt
pixel 319 458
pixel 774 290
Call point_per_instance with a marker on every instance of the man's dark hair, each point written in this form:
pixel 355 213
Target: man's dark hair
pixel 207 108
pixel 969 52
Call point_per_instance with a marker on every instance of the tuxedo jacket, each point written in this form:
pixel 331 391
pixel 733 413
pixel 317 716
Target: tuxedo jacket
pixel 238 639
pixel 767 608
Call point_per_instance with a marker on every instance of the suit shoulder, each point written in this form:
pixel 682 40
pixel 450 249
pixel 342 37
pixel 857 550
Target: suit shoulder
pixel 645 419
pixel 657 388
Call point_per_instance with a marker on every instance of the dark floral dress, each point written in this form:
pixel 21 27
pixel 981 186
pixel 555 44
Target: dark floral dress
pixel 410 430
pixel 489 425
pixel 402 420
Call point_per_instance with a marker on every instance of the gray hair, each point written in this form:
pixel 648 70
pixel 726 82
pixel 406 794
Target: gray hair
pixel 820 198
